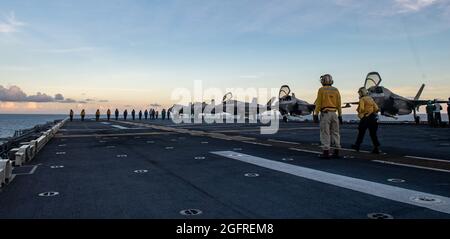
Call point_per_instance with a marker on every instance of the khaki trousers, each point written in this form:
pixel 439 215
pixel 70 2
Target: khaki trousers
pixel 329 130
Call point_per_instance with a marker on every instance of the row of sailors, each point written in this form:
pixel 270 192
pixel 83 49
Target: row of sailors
pixel 148 114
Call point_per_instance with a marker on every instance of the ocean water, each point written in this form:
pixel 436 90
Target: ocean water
pixel 9 123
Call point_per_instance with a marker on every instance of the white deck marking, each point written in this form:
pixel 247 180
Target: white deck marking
pixel 105 123
pixel 119 127
pixel 398 194
pixel 281 141
pixel 411 166
pixel 429 159
pixel 256 143
pixel 33 169
pixel 305 151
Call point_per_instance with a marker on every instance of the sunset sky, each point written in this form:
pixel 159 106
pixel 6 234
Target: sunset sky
pixel 133 53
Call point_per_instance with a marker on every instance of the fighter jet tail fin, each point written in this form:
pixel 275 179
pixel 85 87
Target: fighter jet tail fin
pixel 270 102
pixel 419 93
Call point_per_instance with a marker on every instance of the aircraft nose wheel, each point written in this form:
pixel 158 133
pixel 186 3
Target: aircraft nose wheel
pixel 285 119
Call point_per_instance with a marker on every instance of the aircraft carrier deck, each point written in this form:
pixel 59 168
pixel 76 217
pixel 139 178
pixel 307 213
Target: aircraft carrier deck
pixel 157 169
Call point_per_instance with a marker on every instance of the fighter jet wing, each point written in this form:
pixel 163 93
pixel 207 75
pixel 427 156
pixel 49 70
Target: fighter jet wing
pixel 349 104
pixel 425 102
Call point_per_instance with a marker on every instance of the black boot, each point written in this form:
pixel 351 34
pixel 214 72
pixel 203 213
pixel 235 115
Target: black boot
pixel 336 154
pixel 355 147
pixel 376 150
pixel 325 154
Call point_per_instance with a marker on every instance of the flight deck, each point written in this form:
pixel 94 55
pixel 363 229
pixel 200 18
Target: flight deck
pixel 160 170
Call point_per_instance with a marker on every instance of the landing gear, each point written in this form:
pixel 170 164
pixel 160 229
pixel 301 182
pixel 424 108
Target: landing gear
pixel 285 119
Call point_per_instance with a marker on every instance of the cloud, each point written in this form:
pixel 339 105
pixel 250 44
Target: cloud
pixel 15 94
pixel 10 24
pixel 155 105
pixel 59 97
pixel 406 6
pixel 103 101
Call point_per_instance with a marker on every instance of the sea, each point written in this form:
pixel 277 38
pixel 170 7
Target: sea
pixel 9 123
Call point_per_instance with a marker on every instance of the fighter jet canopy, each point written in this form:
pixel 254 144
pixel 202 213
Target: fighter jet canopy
pixel 227 97
pixel 284 91
pixel 372 79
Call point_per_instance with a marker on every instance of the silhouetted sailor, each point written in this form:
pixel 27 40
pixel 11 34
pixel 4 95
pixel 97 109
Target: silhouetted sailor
pixel 71 115
pixel 437 113
pixel 146 114
pixel 168 114
pixel 133 114
pixel 125 114
pixel 152 114
pixel 156 114
pixel 108 114
pixel 97 115
pixel 83 114
pixel 163 114
pixel 117 114
pixel 448 111
pixel 140 114
pixel 430 111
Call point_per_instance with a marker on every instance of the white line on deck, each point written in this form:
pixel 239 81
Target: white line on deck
pixel 411 166
pixel 305 150
pixel 256 143
pixel 33 169
pixel 429 159
pixel 281 141
pixel 372 188
pixel 105 123
pixel 119 127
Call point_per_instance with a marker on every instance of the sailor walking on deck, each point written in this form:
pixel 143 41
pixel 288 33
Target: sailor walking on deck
pixel 146 114
pixel 71 115
pixel 368 114
pixel 133 114
pixel 108 114
pixel 140 114
pixel 97 115
pixel 328 104
pixel 117 114
pixel 83 114
pixel 156 114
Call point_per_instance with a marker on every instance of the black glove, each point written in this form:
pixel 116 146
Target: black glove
pixel 340 120
pixel 316 118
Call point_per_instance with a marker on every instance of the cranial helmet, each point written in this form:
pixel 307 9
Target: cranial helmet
pixel 363 92
pixel 326 79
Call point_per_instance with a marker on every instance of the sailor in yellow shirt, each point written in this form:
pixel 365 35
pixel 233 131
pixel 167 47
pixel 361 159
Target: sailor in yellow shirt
pixel 367 112
pixel 328 104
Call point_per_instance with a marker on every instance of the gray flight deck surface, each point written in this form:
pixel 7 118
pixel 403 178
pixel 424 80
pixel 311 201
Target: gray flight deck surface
pixel 198 167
